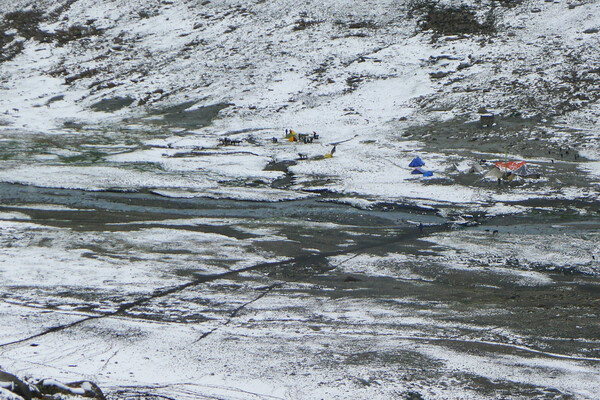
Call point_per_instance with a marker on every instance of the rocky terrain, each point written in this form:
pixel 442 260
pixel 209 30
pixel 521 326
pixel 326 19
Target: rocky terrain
pixel 162 237
pixel 14 388
pixel 112 84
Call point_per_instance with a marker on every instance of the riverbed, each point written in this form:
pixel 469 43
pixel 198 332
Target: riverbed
pixel 201 297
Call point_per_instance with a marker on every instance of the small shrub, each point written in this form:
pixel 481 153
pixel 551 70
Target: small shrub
pixel 74 32
pixel 509 3
pixel 302 24
pixel 11 51
pixel 362 25
pixel 25 22
pixel 454 20
pixel 5 39
pixel 88 73
pixel 27 25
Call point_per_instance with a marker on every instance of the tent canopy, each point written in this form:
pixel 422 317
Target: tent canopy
pixel 417 171
pixel 416 162
pixel 494 173
pixel 476 168
pixel 509 166
pixel 526 172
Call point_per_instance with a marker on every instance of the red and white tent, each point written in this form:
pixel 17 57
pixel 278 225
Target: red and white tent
pixel 510 165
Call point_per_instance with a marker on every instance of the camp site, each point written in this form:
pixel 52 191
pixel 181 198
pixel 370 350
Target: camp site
pixel 299 200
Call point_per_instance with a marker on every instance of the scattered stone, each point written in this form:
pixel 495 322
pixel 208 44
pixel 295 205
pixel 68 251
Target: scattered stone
pixel 591 30
pixel 353 81
pixel 88 73
pixel 91 390
pixel 463 65
pixel 438 74
pixel 411 395
pixel 59 97
pixel 112 104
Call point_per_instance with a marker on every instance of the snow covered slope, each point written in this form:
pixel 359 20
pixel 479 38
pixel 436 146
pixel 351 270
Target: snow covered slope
pixel 180 74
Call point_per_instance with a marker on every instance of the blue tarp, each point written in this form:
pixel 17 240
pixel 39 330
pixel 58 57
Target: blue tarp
pixel 420 171
pixel 416 162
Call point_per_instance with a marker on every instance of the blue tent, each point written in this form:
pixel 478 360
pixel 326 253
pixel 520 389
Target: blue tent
pixel 417 171
pixel 428 173
pixel 416 162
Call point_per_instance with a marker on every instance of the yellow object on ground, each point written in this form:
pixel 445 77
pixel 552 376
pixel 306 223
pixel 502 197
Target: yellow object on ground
pixel 328 155
pixel 290 135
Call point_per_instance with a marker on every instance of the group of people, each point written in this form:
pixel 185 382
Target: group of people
pixel 303 137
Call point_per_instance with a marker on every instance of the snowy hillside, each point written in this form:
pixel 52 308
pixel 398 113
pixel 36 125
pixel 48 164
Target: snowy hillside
pixel 163 235
pixel 155 74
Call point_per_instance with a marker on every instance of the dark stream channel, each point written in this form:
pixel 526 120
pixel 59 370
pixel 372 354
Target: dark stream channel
pixel 147 205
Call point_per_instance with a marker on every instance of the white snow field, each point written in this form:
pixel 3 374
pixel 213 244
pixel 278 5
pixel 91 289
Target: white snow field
pixel 162 237
pixel 359 77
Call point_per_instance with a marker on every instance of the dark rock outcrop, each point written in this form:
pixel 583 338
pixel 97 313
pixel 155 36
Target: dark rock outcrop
pixel 15 385
pixel 47 389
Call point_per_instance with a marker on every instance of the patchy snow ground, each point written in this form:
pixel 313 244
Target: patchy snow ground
pixel 360 76
pixel 144 103
pixel 145 311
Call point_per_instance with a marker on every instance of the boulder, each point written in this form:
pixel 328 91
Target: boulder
pixel 6 394
pixel 51 387
pixel 91 390
pixel 11 383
